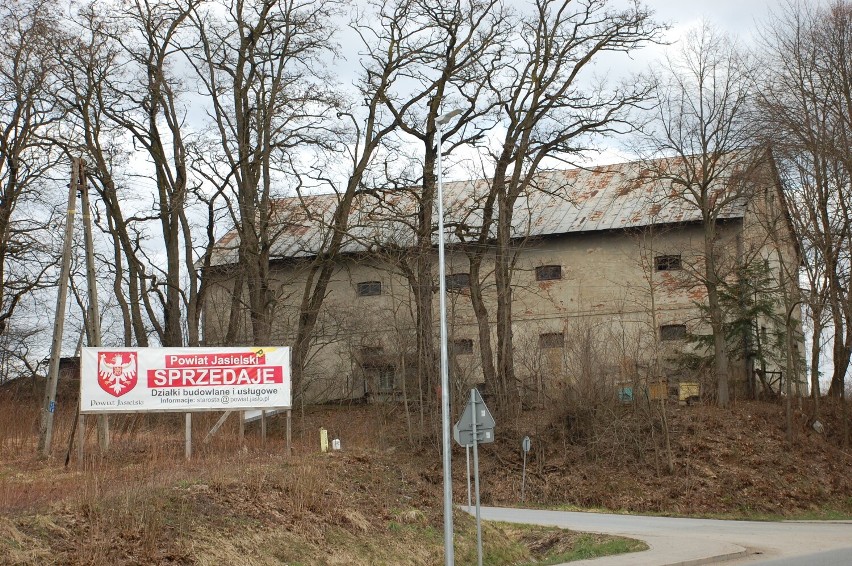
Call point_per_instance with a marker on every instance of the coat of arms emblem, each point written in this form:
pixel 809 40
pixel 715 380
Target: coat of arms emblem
pixel 117 372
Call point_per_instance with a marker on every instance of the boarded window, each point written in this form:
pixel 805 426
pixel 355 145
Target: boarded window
pixel 548 272
pixel 667 262
pixel 463 346
pixel 551 340
pixel 672 332
pixel 369 288
pixel 458 281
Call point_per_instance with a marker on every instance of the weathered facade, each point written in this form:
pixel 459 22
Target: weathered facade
pixel 606 284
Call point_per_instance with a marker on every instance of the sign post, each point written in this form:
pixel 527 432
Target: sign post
pixel 475 427
pixel 525 447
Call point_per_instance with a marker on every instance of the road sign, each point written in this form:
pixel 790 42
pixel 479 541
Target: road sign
pixel 475 427
pixel 483 417
pixel 525 444
pixel 465 437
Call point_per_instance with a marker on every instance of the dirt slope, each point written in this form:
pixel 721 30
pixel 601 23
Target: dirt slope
pixel 379 500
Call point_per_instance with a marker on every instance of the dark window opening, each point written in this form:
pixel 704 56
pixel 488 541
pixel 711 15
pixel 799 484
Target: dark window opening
pixel 548 272
pixel 463 346
pixel 672 332
pixel 386 379
pixel 458 281
pixel 551 340
pixel 667 262
pixel 372 356
pixel 369 288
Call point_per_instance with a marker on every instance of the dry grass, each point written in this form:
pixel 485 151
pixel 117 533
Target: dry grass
pixel 376 502
pixel 379 500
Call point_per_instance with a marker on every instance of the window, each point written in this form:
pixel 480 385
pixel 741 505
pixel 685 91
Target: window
pixel 667 262
pixel 369 288
pixel 551 340
pixel 458 281
pixel 672 332
pixel 386 378
pixel 463 346
pixel 369 354
pixel 548 272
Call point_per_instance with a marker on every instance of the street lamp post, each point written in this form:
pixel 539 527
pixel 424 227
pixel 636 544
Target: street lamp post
pixel 449 559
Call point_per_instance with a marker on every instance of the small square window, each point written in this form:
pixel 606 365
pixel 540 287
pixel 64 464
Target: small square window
pixel 548 272
pixel 369 288
pixel 551 340
pixel 463 346
pixel 670 332
pixel 667 262
pixel 458 281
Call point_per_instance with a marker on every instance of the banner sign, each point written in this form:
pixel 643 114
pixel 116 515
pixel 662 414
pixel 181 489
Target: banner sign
pixel 184 379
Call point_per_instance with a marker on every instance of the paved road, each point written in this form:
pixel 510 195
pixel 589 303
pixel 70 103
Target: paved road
pixel 685 542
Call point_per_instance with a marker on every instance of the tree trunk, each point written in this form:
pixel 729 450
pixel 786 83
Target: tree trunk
pixel 486 354
pixel 815 357
pixel 503 281
pixel 423 288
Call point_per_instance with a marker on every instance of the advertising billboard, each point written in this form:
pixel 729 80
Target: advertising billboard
pixel 120 380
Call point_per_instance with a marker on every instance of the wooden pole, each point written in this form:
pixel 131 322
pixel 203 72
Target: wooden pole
pixel 289 432
pixel 216 427
pixel 188 430
pixel 242 434
pixel 81 436
pixel 94 317
pixel 49 406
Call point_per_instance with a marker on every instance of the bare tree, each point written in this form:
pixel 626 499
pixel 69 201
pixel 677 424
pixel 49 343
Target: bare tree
pixel 454 50
pixel 806 109
pixel 550 107
pixel 259 63
pixel 120 84
pixel 28 118
pixel 702 124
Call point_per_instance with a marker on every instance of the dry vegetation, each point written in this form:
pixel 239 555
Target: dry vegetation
pixel 727 463
pixel 379 500
pixel 141 503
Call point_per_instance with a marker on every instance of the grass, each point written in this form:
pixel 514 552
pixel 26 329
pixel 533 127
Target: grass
pixel 590 546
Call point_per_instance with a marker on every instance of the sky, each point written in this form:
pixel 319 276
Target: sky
pixel 737 17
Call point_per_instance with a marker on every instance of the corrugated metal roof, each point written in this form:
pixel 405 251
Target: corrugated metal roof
pixel 610 197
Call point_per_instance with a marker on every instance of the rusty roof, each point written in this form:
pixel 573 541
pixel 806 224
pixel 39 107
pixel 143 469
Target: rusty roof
pixel 611 197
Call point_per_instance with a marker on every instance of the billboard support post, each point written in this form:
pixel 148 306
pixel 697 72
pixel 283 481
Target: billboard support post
pixel 188 446
pixel 289 432
pixel 81 436
pixel 242 433
pixel 217 426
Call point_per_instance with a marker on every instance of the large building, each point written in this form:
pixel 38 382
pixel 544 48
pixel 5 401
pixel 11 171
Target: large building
pixel 607 284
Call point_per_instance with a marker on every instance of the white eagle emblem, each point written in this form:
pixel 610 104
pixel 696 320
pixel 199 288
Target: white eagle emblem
pixel 117 372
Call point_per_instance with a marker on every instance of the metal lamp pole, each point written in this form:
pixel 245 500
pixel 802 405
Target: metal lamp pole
pixel 449 559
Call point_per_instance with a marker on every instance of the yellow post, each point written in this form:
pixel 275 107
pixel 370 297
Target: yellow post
pixel 323 440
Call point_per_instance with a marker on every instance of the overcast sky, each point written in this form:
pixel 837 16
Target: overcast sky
pixel 734 16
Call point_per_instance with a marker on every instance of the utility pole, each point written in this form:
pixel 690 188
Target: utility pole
pixel 49 406
pixel 94 317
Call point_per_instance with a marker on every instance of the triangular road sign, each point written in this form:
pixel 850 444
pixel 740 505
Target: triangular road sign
pixel 475 409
